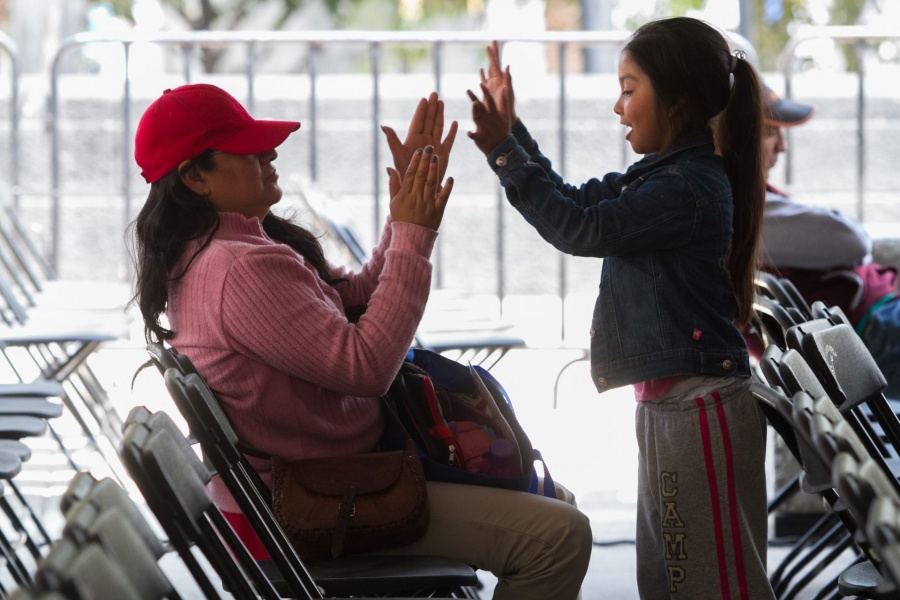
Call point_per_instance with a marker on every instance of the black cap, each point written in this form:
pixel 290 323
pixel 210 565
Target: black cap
pixel 784 113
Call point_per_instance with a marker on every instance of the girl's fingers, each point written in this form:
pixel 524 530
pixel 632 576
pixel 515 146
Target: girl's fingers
pixel 489 103
pixel 483 76
pixel 472 95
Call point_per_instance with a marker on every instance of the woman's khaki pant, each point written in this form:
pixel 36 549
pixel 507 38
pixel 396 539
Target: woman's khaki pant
pixel 539 548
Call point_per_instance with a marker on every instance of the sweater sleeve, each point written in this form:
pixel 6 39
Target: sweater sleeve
pixel 797 236
pixel 277 310
pixel 358 286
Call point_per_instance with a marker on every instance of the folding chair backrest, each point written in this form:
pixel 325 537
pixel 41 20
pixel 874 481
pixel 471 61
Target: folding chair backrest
pixel 793 336
pixel 166 358
pixel 883 532
pixel 113 531
pixel 772 320
pixel 212 428
pixel 768 365
pixel 796 298
pixel 820 310
pixel 82 573
pixel 219 442
pixel 843 364
pixel 859 483
pixel 817 469
pixel 184 508
pixel 798 376
pixel 106 494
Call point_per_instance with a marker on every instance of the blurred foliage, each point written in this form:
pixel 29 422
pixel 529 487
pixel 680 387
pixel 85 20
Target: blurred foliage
pixel 775 20
pixel 226 15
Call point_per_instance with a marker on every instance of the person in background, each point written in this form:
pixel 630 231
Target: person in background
pixel 298 350
pixel 678 235
pixel 827 254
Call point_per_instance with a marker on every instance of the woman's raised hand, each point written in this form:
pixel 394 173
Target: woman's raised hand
pixel 494 113
pixel 425 129
pixel 418 197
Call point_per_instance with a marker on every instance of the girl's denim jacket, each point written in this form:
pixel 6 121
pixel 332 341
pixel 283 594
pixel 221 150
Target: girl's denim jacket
pixel 666 303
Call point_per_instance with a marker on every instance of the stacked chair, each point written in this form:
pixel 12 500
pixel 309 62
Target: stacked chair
pixel 823 393
pixel 49 329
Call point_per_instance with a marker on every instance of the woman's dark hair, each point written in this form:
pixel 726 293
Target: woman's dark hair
pixel 173 216
pixel 691 69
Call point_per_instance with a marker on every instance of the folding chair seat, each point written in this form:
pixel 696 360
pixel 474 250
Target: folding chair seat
pixel 346 576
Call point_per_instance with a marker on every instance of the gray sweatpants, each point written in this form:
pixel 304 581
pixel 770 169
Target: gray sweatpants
pixel 702 525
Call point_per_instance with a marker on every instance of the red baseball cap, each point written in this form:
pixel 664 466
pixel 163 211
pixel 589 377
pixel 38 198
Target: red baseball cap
pixel 187 120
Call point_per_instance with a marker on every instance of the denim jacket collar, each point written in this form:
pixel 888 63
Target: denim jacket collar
pixel 652 161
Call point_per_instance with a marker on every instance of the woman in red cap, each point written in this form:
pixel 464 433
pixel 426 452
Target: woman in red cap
pixel 270 324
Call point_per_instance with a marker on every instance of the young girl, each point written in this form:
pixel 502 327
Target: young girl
pixel 678 234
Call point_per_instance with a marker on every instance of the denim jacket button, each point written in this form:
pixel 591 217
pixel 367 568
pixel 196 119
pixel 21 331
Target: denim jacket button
pixel 601 381
pixel 592 332
pixel 727 364
pixel 500 160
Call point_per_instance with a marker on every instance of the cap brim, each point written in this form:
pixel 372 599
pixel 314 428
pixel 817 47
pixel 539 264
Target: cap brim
pixel 259 136
pixel 784 113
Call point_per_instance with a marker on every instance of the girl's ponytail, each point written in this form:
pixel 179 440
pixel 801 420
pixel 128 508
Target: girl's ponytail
pixel 739 135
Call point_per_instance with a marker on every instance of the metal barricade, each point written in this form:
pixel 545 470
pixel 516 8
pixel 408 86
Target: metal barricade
pixel 860 37
pixel 9 48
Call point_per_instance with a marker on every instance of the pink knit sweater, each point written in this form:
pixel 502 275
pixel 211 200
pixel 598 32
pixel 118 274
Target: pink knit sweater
pixel 271 338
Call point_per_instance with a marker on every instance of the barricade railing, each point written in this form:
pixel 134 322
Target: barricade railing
pixel 861 37
pixel 373 41
pixel 374 44
pixel 8 47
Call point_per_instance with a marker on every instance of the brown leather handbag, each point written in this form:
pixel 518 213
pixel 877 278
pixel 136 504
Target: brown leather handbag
pixel 350 504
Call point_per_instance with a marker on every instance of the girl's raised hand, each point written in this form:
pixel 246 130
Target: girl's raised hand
pixel 418 197
pixel 425 129
pixel 491 125
pixel 499 82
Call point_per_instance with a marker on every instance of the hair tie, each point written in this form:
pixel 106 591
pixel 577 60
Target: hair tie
pixel 736 56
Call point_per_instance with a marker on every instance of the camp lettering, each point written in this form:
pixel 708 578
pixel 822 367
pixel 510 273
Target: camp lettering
pixel 673 529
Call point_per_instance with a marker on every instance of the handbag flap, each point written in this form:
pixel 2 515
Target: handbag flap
pixel 370 472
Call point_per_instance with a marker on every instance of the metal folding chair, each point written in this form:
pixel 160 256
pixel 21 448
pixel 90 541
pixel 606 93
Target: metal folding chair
pixel 350 575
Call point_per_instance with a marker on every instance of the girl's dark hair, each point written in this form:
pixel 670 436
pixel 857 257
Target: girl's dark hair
pixel 173 216
pixel 691 68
